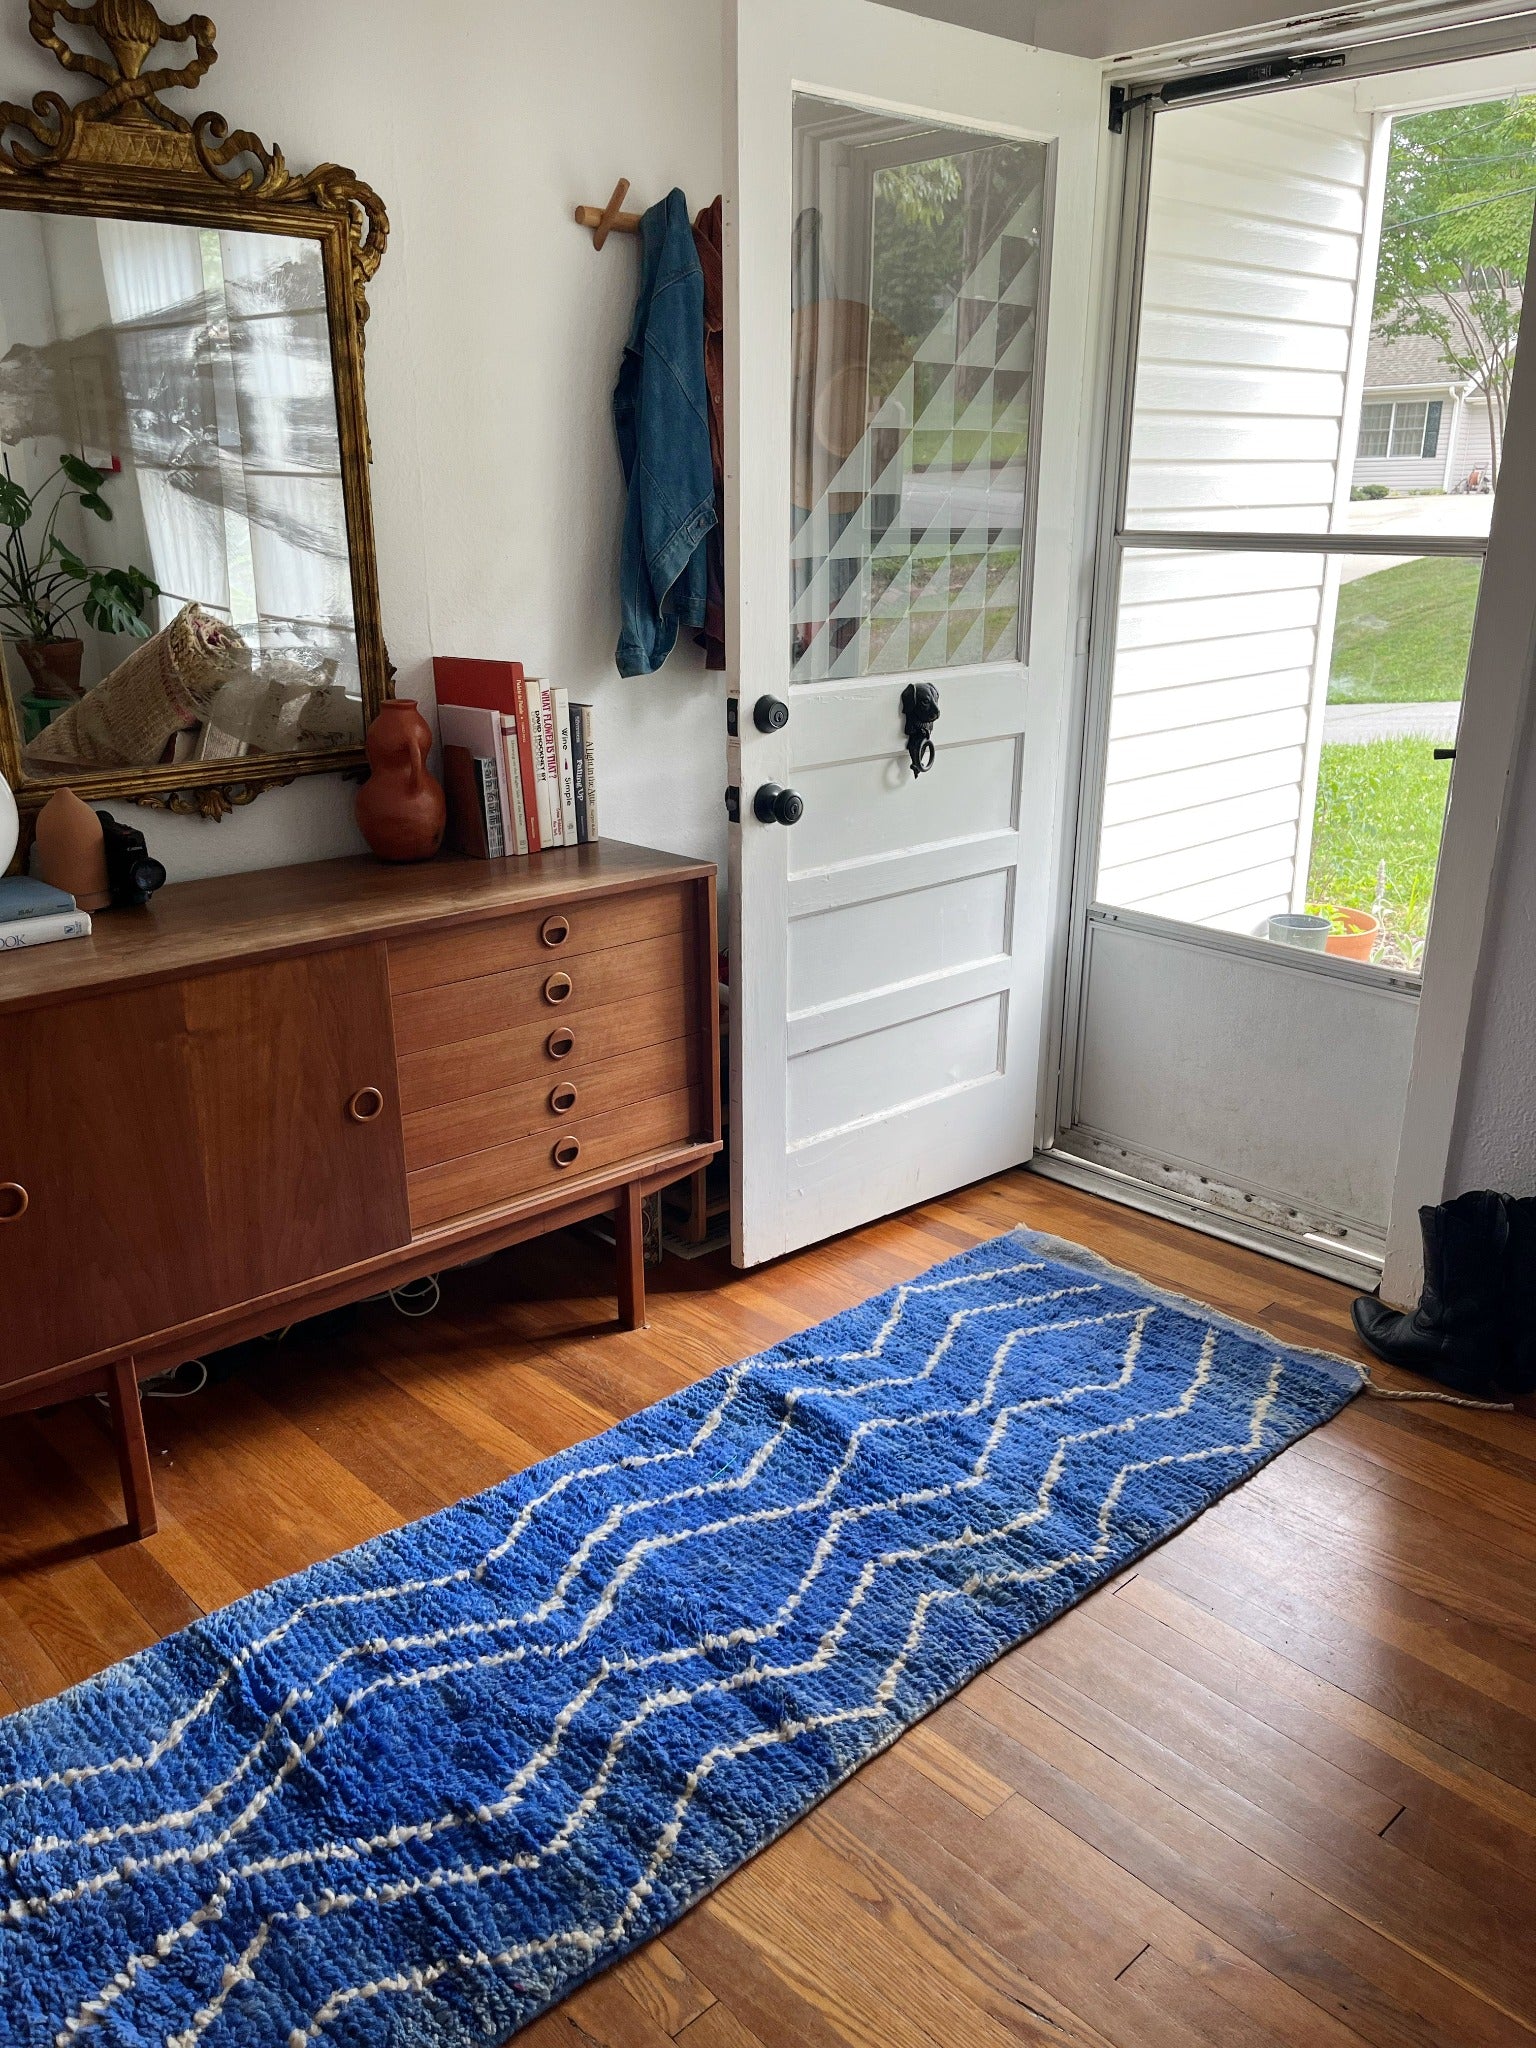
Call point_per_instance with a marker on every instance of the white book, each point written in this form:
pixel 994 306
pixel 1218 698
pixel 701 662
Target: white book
pixel 589 758
pixel 546 764
pixel 514 782
pixel 479 733
pixel 19 932
pixel 562 711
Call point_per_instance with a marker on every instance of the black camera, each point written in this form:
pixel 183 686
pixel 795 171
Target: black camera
pixel 133 873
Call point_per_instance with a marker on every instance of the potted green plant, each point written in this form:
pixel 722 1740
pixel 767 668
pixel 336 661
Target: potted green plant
pixel 44 584
pixel 1352 934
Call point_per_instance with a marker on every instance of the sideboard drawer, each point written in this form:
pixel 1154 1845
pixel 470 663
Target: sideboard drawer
pixel 588 924
pixel 550 993
pixel 501 1173
pixel 556 1101
pixel 552 1046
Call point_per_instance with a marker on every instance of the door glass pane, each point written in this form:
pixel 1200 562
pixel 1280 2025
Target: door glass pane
pixel 916 307
pixel 1272 742
pixel 1326 342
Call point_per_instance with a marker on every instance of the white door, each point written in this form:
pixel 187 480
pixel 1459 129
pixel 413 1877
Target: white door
pixel 1301 479
pixel 910 257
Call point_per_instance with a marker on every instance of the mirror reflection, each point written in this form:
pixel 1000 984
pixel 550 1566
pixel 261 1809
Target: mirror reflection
pixel 175 577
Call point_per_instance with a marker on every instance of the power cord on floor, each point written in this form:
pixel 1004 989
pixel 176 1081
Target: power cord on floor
pixel 161 1385
pixel 417 1298
pixel 1427 1394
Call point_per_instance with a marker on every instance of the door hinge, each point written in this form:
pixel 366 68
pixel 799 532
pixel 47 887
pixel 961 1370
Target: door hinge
pixel 733 803
pixel 1203 85
pixel 733 717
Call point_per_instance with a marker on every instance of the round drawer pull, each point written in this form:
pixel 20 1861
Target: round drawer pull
pixel 560 1043
pixel 557 989
pixel 567 1152
pixel 554 931
pixel 365 1105
pixel 14 1201
pixel 562 1097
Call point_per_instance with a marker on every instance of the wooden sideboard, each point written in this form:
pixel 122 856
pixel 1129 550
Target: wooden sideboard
pixel 270 1094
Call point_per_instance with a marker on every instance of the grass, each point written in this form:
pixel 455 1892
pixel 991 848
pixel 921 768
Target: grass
pixel 1380 805
pixel 1402 634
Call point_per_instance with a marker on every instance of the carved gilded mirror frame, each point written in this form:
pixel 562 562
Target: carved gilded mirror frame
pixel 122 152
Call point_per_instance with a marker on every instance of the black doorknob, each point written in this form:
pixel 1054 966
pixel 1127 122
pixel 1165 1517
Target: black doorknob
pixel 770 714
pixel 775 806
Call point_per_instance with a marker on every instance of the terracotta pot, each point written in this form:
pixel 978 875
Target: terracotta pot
pixel 400 808
pixel 1359 942
pixel 70 852
pixel 54 666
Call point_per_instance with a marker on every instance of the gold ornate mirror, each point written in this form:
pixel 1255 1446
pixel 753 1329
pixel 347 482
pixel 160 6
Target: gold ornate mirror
pixel 188 591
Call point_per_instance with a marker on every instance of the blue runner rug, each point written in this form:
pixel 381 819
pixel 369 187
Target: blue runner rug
pixel 414 1794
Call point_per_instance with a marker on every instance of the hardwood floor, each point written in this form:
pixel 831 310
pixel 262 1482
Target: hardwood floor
pixel 1275 1785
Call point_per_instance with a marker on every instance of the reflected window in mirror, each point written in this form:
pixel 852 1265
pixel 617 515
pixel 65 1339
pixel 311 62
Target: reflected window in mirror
pixel 193 602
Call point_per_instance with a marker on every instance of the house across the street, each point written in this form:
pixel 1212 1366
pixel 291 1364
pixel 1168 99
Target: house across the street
pixel 1424 426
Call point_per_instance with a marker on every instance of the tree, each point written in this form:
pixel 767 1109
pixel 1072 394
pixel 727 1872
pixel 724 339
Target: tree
pixel 1456 234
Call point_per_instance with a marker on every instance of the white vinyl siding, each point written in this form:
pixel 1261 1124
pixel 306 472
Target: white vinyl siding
pixel 1474 442
pixel 1249 327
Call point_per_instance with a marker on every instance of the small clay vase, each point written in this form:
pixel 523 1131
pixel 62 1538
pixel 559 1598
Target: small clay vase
pixel 401 809
pixel 71 852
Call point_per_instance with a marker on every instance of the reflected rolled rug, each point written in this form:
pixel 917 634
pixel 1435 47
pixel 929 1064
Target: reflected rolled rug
pixel 164 686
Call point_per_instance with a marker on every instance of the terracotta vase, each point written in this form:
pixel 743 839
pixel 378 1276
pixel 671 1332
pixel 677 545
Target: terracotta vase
pixel 400 808
pixel 70 851
pixel 54 666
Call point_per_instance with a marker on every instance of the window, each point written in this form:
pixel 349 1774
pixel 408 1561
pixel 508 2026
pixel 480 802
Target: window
pixel 918 275
pixel 1375 429
pixel 1407 427
pixel 1285 652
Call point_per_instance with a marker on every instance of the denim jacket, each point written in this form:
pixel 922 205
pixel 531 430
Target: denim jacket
pixel 661 412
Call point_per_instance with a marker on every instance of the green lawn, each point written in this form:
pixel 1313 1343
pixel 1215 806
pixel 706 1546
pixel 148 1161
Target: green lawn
pixel 1380 804
pixel 1402 635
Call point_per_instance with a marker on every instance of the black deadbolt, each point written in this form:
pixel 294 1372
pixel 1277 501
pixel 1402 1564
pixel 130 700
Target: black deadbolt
pixel 770 714
pixel 775 806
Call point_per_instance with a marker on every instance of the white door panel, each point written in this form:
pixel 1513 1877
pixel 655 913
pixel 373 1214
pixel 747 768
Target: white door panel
pixel 837 955
pixel 1265 1078
pixel 909 264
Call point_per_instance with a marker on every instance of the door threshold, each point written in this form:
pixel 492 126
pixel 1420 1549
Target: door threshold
pixel 1354 1266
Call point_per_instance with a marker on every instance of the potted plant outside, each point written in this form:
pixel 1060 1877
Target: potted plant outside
pixel 44 584
pixel 1352 934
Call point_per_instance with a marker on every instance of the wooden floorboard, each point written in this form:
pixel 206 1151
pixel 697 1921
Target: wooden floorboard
pixel 1273 1788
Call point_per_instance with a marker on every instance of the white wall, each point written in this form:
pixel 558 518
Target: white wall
pixel 492 350
pixel 1495 1140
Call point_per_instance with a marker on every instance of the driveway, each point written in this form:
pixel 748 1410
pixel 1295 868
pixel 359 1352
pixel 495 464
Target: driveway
pixel 1356 724
pixel 1445 513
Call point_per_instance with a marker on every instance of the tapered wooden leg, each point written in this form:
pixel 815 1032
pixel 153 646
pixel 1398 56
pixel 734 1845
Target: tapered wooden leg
pixel 132 1448
pixel 629 1237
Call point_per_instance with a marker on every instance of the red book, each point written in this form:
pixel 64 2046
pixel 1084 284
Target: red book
pixel 482 685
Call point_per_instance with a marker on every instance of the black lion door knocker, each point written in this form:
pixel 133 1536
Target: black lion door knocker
pixel 920 708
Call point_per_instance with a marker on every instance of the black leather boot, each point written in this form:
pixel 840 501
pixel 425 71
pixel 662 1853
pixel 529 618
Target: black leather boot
pixel 1520 1296
pixel 1458 1334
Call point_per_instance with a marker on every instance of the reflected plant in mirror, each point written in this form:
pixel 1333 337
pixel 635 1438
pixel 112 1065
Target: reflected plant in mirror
pixel 44 585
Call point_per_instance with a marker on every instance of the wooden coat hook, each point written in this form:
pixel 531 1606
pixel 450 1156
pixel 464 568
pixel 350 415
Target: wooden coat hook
pixel 603 220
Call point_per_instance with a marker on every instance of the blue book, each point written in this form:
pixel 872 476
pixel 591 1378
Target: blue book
pixel 21 896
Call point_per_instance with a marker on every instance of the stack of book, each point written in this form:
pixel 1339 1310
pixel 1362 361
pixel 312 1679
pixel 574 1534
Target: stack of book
pixel 33 914
pixel 518 760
